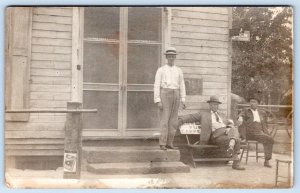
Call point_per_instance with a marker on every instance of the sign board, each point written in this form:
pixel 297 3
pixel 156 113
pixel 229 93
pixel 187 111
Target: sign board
pixel 190 128
pixel 70 161
pixel 194 86
pixel 243 37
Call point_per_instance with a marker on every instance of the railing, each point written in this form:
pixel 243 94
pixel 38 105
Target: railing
pixel 73 130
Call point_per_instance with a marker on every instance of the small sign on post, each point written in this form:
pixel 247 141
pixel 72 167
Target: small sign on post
pixel 73 144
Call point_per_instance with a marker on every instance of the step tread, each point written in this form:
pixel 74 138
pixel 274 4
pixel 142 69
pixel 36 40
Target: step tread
pixel 127 165
pixel 138 168
pixel 126 148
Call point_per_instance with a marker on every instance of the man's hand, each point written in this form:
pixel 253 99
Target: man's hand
pixel 227 130
pixel 183 105
pixel 239 121
pixel 159 105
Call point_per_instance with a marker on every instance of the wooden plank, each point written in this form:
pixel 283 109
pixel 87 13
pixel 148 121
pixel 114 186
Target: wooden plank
pixel 37 127
pixel 51 34
pixel 213 91
pixel 201 64
pixel 47 119
pixel 207 29
pixel 34 134
pixel 47 104
pixel 207 78
pixel 214 85
pixel 56 11
pixel 217 10
pixel 52 27
pixel 206 71
pixel 203 57
pixel 51 42
pixel 33 147
pixel 52 49
pixel 204 98
pixel 199 15
pixel 53 152
pixel 51 72
pixel 34 141
pixel 199 36
pixel 51 80
pixel 50 96
pixel 202 106
pixel 52 19
pixel 52 57
pixel 50 88
pixel 201 50
pixel 200 22
pixel 195 42
pixel 51 64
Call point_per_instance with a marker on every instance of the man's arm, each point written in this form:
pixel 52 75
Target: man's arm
pixel 157 86
pixel 182 86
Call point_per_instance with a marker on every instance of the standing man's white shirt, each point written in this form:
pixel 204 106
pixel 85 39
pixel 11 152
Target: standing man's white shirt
pixel 169 77
pixel 255 116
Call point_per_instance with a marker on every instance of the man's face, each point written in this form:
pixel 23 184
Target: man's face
pixel 214 106
pixel 171 58
pixel 253 104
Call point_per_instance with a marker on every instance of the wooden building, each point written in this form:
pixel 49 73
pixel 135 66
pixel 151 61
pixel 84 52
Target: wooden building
pixel 106 58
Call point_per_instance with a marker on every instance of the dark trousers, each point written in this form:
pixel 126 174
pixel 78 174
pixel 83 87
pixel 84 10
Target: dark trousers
pixel 222 140
pixel 170 100
pixel 255 132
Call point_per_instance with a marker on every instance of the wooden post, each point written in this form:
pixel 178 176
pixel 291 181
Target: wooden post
pixel 73 145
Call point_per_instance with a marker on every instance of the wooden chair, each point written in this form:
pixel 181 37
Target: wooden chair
pixel 246 150
pixel 277 176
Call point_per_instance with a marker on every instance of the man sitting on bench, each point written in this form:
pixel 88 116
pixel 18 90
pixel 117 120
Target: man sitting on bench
pixel 215 131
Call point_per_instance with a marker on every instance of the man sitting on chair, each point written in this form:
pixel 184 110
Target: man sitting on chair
pixel 215 131
pixel 253 126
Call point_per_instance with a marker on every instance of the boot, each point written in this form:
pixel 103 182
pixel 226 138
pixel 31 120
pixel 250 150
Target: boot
pixel 236 165
pixel 171 147
pixel 267 164
pixel 163 147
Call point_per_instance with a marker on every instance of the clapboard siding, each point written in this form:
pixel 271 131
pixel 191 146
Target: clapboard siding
pixel 201 36
pixel 51 34
pixel 191 28
pixel 39 64
pixel 51 49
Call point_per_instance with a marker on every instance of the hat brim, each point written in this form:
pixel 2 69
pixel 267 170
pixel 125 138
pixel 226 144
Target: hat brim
pixel 170 53
pixel 214 102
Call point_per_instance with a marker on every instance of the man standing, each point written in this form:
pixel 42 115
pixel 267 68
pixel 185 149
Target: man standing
pixel 169 90
pixel 253 124
pixel 215 131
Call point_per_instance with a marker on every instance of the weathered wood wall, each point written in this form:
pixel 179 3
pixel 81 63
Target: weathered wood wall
pixel 49 85
pixel 201 37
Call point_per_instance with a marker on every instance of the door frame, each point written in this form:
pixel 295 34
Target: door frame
pixel 77 72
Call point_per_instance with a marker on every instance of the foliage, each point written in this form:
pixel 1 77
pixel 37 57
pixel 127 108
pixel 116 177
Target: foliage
pixel 268 56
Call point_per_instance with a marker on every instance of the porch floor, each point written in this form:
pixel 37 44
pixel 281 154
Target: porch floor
pixel 211 175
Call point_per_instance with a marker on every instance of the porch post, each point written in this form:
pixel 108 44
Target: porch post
pixel 73 144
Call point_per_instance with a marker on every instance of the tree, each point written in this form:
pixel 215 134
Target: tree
pixel 268 56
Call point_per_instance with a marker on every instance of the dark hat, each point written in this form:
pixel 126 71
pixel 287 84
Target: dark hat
pixel 170 51
pixel 254 97
pixel 214 99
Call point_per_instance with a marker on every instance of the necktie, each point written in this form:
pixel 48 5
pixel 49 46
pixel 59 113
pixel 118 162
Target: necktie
pixel 217 117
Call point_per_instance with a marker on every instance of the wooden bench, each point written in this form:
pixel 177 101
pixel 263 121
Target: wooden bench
pixel 193 130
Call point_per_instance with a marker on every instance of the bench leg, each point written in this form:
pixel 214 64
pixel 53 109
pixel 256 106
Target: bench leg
pixel 247 154
pixel 192 156
pixel 242 154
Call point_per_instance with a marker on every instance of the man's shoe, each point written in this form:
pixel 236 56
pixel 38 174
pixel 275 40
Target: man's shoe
pixel 162 147
pixel 237 167
pixel 267 164
pixel 229 152
pixel 171 147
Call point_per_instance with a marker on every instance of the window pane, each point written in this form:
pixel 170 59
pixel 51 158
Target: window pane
pixel 143 61
pixel 144 23
pixel 107 105
pixel 141 110
pixel 101 63
pixel 101 22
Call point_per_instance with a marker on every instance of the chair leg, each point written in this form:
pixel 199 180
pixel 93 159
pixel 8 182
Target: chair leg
pixel 242 154
pixel 276 176
pixel 256 151
pixel 247 153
